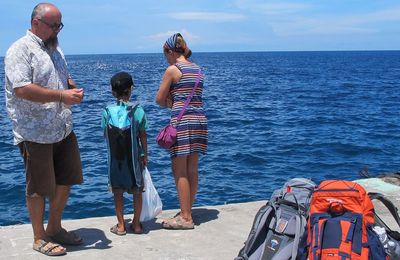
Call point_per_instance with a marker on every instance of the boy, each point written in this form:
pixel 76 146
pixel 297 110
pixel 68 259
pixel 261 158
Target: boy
pixel 125 127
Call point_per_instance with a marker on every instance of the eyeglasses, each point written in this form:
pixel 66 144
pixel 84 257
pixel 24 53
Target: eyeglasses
pixel 55 27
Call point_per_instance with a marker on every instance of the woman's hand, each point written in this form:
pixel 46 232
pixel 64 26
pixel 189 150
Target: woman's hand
pixel 169 101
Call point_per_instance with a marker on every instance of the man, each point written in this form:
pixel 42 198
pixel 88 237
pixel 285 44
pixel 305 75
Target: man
pixel 39 93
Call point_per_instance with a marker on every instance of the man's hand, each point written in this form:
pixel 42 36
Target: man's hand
pixel 72 96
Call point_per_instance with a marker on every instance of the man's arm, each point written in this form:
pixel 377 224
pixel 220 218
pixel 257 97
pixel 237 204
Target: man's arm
pixel 37 93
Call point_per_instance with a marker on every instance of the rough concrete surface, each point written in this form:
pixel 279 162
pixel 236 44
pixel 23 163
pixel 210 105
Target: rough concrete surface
pixel 219 233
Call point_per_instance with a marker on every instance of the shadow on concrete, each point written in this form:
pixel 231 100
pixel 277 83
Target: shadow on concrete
pixel 93 238
pixel 203 215
pixel 151 225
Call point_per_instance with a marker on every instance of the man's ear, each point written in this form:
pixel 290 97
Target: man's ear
pixel 35 22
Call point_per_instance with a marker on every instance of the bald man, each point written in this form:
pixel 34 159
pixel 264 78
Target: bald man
pixel 39 94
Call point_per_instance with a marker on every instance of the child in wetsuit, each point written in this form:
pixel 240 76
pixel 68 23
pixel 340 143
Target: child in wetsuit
pixel 124 126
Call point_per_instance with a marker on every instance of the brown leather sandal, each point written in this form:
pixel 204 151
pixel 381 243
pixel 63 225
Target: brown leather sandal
pixel 47 248
pixel 177 223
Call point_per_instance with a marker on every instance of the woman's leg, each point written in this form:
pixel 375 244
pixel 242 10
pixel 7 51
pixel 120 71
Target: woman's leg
pixel 137 208
pixel 193 176
pixel 179 168
pixel 119 209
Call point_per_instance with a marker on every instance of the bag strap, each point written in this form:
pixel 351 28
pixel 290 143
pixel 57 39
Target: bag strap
pixel 263 218
pixel 131 110
pixel 297 235
pixel 190 96
pixel 389 205
pixel 392 209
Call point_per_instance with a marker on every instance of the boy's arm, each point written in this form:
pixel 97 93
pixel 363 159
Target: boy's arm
pixel 143 141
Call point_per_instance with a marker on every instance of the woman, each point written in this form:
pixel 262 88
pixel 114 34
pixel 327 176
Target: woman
pixel 177 83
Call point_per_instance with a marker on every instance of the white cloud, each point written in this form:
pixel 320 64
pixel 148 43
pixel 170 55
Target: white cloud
pixel 293 18
pixel 207 16
pixel 333 24
pixel 281 8
pixel 277 8
pixel 163 36
pixel 386 15
pixel 317 27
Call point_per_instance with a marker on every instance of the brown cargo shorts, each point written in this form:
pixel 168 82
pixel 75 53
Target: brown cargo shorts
pixel 49 165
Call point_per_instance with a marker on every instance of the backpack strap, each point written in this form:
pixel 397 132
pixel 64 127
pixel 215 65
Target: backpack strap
pixel 392 209
pixel 297 235
pixel 107 119
pixel 299 220
pixel 263 217
pixel 317 248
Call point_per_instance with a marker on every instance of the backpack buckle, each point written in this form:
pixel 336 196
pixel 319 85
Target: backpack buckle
pixel 281 225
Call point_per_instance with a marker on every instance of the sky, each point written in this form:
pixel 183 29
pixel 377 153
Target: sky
pixel 131 26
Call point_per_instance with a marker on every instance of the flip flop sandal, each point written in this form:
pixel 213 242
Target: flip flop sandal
pixel 179 213
pixel 177 223
pixel 67 238
pixel 114 229
pixel 47 248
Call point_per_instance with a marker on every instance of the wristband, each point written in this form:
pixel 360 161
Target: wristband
pixel 61 96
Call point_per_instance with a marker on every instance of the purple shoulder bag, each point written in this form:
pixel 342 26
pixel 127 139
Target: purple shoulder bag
pixel 166 138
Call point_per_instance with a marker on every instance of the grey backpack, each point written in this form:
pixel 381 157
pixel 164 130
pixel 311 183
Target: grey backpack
pixel 279 224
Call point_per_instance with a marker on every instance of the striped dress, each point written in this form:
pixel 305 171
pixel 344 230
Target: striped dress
pixel 192 128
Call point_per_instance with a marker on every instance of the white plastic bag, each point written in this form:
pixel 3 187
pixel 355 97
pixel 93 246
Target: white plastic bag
pixel 152 204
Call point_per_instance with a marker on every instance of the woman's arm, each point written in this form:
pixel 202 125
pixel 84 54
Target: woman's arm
pixel 172 75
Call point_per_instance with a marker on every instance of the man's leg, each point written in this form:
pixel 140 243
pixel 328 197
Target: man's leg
pixel 56 209
pixel 38 181
pixel 36 206
pixel 54 228
pixel 36 213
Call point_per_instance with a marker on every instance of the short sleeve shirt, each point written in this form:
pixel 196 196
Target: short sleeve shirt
pixel 117 119
pixel 28 61
pixel 118 116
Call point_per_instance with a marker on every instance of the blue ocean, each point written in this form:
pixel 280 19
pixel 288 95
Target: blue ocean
pixel 272 116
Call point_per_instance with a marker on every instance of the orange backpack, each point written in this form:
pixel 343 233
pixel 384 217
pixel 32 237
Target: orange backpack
pixel 340 224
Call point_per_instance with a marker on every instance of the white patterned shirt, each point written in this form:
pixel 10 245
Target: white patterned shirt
pixel 28 61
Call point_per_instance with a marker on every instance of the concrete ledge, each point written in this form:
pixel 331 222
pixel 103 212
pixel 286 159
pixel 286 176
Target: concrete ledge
pixel 378 185
pixel 219 234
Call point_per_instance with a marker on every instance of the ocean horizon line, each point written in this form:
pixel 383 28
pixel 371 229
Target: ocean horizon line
pixel 219 52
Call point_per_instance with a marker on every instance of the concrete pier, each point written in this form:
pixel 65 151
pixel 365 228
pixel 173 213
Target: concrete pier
pixel 219 234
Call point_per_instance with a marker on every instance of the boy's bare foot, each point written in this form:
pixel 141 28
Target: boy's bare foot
pixel 137 229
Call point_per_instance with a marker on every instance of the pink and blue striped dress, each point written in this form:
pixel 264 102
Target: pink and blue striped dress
pixel 192 133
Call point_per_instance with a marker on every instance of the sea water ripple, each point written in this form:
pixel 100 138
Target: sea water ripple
pixel 272 116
